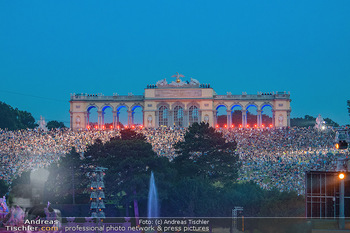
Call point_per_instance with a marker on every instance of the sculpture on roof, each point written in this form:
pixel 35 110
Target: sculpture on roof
pixel 178 76
pixel 162 82
pixel 194 82
pixel 178 82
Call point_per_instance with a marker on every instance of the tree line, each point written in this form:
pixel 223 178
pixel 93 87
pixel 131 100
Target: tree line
pixel 15 119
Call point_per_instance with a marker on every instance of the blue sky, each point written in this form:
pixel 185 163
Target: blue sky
pixel 49 49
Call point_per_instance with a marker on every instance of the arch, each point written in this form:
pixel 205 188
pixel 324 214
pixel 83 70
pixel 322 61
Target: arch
pixel 252 115
pixel 249 105
pixel 107 117
pixel 92 117
pixel 236 115
pixel 266 104
pixel 178 116
pixel 163 104
pixel 122 115
pixel 266 115
pixel 163 114
pixel 221 115
pixel 89 107
pixel 236 105
pixel 193 104
pixel 107 106
pixel 220 105
pixel 174 105
pixel 137 114
pixel 120 106
pixel 136 105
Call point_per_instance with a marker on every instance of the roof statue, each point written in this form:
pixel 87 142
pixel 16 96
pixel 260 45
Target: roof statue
pixel 178 82
pixel 42 124
pixel 178 76
pixel 194 82
pixel 320 123
pixel 162 82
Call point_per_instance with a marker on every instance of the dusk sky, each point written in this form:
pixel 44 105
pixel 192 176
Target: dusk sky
pixel 49 49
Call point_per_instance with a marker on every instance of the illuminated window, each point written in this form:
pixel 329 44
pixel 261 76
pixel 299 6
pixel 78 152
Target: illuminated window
pixel 163 116
pixel 178 116
pixel 193 114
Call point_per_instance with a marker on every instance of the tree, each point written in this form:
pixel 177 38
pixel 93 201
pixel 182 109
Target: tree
pixel 7 117
pixel 55 125
pixel 130 160
pixel 206 153
pixel 21 186
pixel 3 188
pixel 310 121
pixel 307 121
pixel 330 122
pixel 25 120
pixel 67 182
pixel 14 119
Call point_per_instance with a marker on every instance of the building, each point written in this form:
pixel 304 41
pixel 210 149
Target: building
pixel 179 103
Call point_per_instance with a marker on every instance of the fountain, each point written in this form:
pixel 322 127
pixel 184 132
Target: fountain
pixel 152 210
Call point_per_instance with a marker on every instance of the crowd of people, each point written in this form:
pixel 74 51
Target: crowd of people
pixel 273 158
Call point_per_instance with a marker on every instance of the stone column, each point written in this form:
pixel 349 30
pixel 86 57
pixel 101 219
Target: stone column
pixel 288 118
pixel 229 118
pixel 86 119
pixel 117 119
pixel 215 114
pixel 273 118
pixel 71 121
pixel 171 118
pixel 244 118
pixel 156 121
pixel 115 114
pixel 259 118
pixel 103 118
pixel 199 120
pixel 99 119
pixel 129 118
pixel 186 122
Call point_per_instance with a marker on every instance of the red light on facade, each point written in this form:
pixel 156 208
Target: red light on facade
pixel 225 126
pixel 99 188
pixel 141 126
pixel 118 127
pixel 111 127
pixel 255 126
pixel 271 125
pixel 240 126
pixel 248 126
pixel 232 126
pixel 217 126
pixel 96 127
pixel 88 127
pixel 263 126
pixel 126 127
pixel 103 127
pixel 133 126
